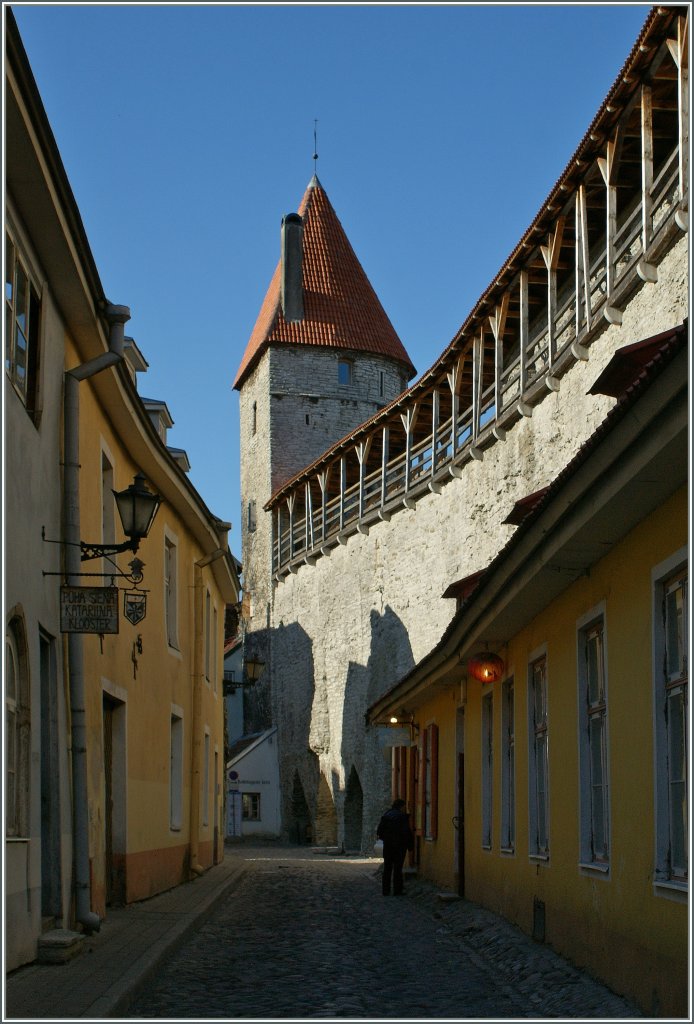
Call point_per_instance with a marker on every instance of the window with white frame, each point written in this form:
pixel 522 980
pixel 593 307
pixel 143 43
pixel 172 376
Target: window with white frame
pixel 671 696
pixel 22 312
pixel 176 771
pixel 487 769
pixel 508 768
pixel 593 747
pixel 538 804
pixel 250 803
pixel 171 591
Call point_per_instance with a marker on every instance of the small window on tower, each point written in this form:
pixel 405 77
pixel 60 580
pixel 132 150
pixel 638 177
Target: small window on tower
pixel 381 383
pixel 344 372
pixel 255 417
pixel 251 516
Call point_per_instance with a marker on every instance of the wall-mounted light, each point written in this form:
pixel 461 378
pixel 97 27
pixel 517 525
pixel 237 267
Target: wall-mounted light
pixel 253 668
pixel 486 667
pixel 137 506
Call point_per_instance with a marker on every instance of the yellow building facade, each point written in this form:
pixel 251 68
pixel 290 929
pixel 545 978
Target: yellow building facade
pixel 114 752
pixel 155 717
pixel 560 788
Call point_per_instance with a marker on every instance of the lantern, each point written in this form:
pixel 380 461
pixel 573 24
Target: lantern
pixel 486 667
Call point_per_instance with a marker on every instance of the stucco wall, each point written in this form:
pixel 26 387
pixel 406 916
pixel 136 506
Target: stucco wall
pixel 345 630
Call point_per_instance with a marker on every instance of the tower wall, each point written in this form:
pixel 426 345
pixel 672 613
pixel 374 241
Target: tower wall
pixel 310 410
pixel 292 407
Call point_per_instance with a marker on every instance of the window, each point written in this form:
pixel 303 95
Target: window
pixel 593 766
pixel 487 765
pixel 17 734
pixel 215 629
pixel 254 418
pixel 170 592
pixel 206 781
pixel 344 372
pixel 251 516
pixel 22 308
pixel 428 782
pixel 539 763
pixel 176 770
pixel 250 803
pixel 208 643
pixel 381 383
pixel 671 685
pixel 508 768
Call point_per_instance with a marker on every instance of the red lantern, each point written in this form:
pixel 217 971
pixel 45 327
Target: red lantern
pixel 486 667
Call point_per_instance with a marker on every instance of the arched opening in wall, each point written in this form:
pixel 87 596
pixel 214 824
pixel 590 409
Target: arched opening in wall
pixel 354 806
pixel 326 817
pixel 300 830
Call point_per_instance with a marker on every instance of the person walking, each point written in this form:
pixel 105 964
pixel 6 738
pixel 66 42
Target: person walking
pixel 394 829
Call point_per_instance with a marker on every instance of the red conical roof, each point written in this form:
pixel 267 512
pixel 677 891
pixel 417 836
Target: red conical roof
pixel 341 309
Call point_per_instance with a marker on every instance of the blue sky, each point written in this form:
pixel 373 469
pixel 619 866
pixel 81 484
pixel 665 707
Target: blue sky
pixel 187 133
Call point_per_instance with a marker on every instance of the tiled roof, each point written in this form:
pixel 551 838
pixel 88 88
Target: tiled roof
pixel 341 309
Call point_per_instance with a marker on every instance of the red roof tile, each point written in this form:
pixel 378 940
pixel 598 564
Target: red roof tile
pixel 341 309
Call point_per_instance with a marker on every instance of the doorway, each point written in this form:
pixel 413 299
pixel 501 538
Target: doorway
pixel 354 812
pixel 51 884
pixel 114 810
pixel 459 819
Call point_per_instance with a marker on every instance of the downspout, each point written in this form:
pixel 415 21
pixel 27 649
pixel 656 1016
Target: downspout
pixel 198 671
pixel 117 317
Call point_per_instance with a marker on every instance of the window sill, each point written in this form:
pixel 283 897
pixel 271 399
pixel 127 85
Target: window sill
pixel 17 839
pixel 677 891
pixel 174 828
pixel 173 650
pixel 591 868
pixel 508 851
pixel 541 858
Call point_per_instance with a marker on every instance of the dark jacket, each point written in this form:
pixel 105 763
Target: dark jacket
pixel 394 829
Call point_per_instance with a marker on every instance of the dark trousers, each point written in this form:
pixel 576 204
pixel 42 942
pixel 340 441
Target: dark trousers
pixel 393 860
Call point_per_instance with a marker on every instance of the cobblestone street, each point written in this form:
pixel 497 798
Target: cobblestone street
pixel 309 935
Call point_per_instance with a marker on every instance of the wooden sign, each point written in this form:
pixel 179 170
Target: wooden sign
pixel 89 609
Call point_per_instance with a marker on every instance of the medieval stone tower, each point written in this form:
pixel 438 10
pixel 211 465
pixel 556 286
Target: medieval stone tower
pixel 322 358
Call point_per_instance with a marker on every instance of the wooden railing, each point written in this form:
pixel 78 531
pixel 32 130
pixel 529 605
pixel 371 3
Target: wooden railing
pixel 304 527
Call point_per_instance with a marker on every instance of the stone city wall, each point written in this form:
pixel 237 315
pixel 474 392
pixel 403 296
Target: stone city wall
pixel 346 629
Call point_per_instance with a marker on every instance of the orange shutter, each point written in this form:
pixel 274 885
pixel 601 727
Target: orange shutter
pixel 433 731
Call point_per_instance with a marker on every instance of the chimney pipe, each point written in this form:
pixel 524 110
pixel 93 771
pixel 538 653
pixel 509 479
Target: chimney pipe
pixel 291 278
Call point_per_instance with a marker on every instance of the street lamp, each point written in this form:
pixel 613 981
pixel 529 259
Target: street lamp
pixel 254 669
pixel 137 506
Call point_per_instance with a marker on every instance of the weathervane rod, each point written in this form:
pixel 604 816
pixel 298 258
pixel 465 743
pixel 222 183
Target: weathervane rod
pixel 315 145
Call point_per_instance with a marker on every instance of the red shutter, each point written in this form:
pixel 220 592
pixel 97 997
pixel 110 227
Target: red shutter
pixel 434 768
pixel 421 783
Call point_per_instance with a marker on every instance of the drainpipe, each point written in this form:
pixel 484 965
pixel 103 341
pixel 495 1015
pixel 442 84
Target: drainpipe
pixel 198 671
pixel 117 317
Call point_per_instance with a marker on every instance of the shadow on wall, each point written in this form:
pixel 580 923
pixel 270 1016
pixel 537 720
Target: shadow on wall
pixel 293 696
pixel 390 657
